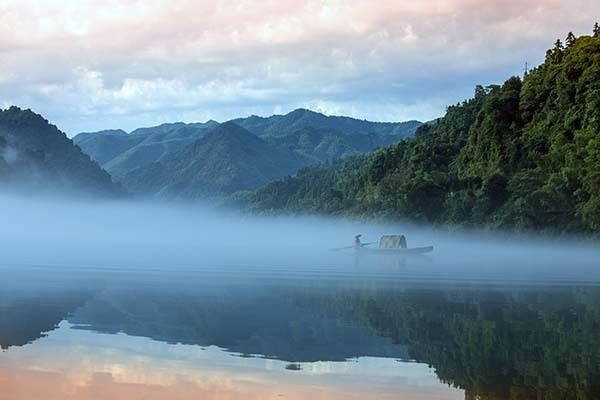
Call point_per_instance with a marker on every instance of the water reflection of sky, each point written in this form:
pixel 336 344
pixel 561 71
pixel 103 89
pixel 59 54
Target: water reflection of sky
pixel 80 364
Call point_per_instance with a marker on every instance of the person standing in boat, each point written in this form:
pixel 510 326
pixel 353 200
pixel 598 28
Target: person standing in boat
pixel 357 243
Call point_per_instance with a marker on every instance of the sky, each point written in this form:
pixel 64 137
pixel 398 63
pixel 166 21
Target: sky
pixel 88 65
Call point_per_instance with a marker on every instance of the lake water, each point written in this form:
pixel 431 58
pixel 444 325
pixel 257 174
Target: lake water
pixel 350 331
pixel 123 308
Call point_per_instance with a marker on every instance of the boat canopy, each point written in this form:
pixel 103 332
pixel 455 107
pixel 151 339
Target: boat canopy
pixel 392 242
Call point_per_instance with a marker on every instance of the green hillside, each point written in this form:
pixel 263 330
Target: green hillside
pixel 325 145
pixel 119 152
pixel 36 157
pixel 522 155
pixel 227 159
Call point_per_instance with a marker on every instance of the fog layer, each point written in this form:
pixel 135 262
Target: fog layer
pixel 115 236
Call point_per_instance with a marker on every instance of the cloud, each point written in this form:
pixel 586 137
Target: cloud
pixel 95 64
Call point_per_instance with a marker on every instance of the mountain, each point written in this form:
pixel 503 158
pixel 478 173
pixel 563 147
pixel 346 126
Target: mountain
pixel 281 125
pixel 36 156
pixel 306 135
pixel 524 155
pixel 226 160
pixel 326 145
pixel 119 152
pixel 104 145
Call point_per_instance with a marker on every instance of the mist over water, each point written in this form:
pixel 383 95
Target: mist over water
pixel 130 234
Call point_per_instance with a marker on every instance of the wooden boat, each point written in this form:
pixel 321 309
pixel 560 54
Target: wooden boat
pixel 395 251
pixel 393 245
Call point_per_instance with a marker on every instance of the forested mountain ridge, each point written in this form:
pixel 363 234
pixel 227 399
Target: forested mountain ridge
pixel 143 159
pixel 522 155
pixel 226 160
pixel 302 134
pixel 280 125
pixel 326 145
pixel 36 157
pixel 119 152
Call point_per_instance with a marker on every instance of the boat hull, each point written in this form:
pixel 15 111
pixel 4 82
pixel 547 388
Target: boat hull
pixel 395 252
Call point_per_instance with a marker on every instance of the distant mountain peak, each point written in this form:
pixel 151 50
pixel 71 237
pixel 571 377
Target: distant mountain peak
pixel 281 125
pixel 228 129
pixel 302 111
pixel 118 132
pixel 119 152
pixel 162 127
pixel 229 158
pixel 228 126
pixel 230 133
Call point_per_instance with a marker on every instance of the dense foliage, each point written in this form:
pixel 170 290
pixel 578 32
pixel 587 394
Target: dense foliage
pixel 522 155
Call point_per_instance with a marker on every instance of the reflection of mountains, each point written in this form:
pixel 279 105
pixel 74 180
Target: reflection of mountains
pixel 243 321
pixel 517 344
pixel 24 319
pixel 33 301
pixel 494 343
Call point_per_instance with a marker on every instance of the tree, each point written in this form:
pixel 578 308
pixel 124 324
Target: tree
pixel 570 39
pixel 555 54
pixel 596 30
pixel 558 46
pixel 480 91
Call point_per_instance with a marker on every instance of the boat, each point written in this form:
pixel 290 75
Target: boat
pixel 393 245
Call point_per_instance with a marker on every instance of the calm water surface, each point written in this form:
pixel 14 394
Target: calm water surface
pixel 343 329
